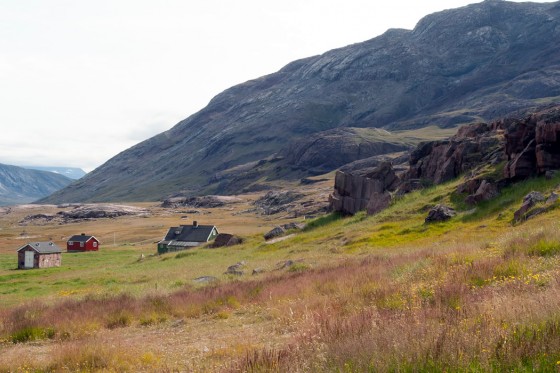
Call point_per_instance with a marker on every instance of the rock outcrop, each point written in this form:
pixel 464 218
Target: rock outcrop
pixel 527 146
pixel 276 201
pixel 532 144
pixel 444 160
pixel 199 202
pixel 368 190
pixel 100 211
pixel 328 150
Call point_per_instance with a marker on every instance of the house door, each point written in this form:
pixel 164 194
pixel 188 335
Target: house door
pixel 29 259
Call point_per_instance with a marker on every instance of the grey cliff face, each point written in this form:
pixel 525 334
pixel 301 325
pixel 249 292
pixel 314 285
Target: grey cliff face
pixel 458 66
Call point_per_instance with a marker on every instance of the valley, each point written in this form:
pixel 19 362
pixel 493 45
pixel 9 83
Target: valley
pixel 380 292
pixel 392 206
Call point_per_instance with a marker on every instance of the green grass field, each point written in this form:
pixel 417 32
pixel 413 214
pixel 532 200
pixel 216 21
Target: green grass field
pixel 364 293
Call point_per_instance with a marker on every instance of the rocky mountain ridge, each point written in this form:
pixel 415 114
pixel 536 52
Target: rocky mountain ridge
pixel 458 66
pixel 19 185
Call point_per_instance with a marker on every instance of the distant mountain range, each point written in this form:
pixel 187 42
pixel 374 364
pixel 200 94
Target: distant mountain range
pixel 71 172
pixel 458 66
pixel 20 185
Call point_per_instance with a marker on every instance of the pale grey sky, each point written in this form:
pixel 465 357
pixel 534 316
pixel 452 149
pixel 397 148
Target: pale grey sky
pixel 82 80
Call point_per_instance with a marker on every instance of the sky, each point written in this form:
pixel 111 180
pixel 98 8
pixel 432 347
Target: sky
pixel 83 80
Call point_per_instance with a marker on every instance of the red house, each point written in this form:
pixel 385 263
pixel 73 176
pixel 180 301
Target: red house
pixel 82 243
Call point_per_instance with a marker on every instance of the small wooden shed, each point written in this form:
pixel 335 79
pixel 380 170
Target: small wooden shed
pixel 82 242
pixel 39 255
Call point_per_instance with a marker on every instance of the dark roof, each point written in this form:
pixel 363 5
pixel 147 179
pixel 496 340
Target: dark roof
pixel 80 238
pixel 190 233
pixel 43 247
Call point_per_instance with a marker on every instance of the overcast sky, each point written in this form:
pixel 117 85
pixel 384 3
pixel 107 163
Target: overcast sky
pixel 82 80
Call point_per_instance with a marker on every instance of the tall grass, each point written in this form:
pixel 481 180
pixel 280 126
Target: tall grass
pixel 441 302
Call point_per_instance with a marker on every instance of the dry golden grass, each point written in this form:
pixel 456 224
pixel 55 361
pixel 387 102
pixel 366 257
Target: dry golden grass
pixel 383 293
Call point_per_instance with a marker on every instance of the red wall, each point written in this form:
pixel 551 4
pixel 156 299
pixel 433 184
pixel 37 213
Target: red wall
pixel 88 246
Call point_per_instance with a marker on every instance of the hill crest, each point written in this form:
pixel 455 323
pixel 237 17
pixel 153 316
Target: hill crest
pixel 457 66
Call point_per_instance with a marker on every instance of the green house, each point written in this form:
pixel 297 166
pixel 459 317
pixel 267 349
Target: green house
pixel 186 236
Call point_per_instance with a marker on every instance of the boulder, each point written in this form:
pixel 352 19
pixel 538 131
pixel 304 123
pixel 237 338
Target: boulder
pixel 274 232
pixel 236 269
pixel 549 175
pixel 294 226
pixel 369 189
pixel 226 239
pixel 485 192
pixel 205 279
pixel 440 213
pixel 529 201
pixel 534 197
pixel 284 264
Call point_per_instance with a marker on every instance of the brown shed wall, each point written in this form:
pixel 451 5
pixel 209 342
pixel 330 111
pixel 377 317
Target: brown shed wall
pixel 40 260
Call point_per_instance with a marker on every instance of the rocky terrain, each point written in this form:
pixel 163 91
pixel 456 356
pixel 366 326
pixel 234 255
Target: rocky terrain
pixel 458 66
pixel 19 185
pixel 83 212
pixel 525 146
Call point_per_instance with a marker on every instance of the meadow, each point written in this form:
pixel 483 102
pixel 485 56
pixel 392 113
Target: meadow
pixel 363 293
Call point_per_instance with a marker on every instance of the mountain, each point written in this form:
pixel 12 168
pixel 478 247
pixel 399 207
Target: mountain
pixel 457 66
pixel 71 172
pixel 19 185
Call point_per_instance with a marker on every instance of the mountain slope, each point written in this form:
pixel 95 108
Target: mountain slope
pixel 457 66
pixel 71 172
pixel 20 185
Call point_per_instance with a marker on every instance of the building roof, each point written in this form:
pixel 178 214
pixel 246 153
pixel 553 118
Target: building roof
pixel 43 247
pixel 190 233
pixel 81 238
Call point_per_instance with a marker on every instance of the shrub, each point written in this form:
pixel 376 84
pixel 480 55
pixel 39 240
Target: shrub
pixel 119 320
pixel 544 248
pixel 32 333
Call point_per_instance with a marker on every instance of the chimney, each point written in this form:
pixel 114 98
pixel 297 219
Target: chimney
pixel 195 223
pixel 83 234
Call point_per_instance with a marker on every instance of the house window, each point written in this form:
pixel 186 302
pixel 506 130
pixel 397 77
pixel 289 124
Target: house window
pixel 95 244
pixel 71 243
pixel 81 244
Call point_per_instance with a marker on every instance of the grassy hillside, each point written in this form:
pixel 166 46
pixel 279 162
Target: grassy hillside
pixel 380 293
